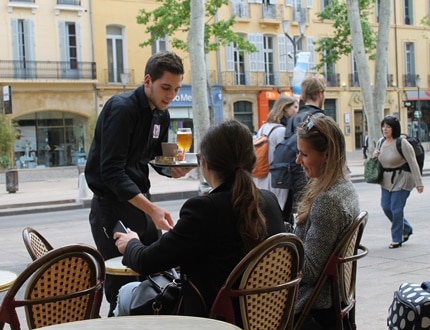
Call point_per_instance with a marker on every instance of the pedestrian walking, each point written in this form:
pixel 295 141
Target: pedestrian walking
pixel 397 182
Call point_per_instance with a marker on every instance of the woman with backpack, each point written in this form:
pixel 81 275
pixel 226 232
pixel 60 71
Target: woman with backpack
pixel 398 180
pixel 274 128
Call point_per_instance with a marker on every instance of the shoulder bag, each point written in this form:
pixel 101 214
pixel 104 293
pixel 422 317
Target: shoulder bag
pixel 373 171
pixel 158 294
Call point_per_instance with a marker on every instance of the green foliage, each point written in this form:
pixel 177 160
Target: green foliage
pixel 425 21
pixel 90 128
pixel 8 135
pixel 173 16
pixel 334 47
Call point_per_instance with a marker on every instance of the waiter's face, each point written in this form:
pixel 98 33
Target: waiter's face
pixel 161 92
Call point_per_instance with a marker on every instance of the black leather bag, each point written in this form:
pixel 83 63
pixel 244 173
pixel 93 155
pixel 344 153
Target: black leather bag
pixel 158 294
pixel 373 171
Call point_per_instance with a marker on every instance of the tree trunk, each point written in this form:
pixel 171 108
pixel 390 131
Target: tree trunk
pixel 196 48
pixel 373 100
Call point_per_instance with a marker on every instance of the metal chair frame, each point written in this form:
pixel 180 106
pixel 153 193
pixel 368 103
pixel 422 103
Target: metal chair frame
pixel 63 285
pixel 264 285
pixel 341 271
pixel 36 244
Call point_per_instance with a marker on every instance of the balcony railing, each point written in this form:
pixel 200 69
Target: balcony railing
pixel 273 12
pixel 409 80
pixel 47 70
pixel 69 2
pixel 230 78
pixel 240 9
pixel 333 79
pixel 353 80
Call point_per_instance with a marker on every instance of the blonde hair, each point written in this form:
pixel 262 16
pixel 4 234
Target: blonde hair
pixel 278 110
pixel 311 86
pixel 324 135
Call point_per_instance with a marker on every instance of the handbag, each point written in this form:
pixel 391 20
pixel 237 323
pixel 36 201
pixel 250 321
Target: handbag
pixel 410 307
pixel 158 294
pixel 373 171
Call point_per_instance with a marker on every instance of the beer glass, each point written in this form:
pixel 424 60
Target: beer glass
pixel 184 139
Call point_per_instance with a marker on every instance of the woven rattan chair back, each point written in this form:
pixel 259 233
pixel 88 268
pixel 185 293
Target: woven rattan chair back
pixel 265 283
pixel 63 285
pixel 36 244
pixel 341 270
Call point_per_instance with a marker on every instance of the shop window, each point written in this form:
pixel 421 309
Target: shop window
pixel 50 138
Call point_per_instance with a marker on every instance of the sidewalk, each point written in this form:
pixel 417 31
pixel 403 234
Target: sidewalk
pixel 57 188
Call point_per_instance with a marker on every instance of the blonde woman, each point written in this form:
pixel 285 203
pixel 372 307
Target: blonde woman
pixel 328 206
pixel 284 108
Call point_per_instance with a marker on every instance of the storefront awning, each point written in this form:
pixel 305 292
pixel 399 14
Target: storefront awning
pixel 413 95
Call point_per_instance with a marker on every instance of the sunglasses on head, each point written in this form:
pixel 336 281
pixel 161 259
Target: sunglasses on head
pixel 309 124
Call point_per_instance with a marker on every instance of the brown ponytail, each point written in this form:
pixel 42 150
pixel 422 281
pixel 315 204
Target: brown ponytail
pixel 228 150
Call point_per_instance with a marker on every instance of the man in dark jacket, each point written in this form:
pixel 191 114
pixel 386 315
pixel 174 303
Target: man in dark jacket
pixel 128 135
pixel 312 97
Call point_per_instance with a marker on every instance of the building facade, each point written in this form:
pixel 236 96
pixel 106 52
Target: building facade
pixel 61 60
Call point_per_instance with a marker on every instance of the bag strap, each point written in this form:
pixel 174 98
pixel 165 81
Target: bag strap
pixel 289 129
pixel 300 117
pixel 273 128
pixel 380 143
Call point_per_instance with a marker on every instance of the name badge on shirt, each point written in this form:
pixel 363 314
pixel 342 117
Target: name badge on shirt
pixel 156 131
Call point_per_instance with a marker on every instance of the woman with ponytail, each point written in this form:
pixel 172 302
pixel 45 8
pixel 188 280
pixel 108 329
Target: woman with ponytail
pixel 214 232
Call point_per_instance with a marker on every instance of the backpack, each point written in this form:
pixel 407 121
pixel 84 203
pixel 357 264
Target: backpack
pixel 285 172
pixel 418 148
pixel 410 308
pixel 261 147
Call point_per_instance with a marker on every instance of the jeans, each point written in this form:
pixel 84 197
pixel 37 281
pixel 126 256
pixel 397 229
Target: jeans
pixel 393 204
pixel 124 299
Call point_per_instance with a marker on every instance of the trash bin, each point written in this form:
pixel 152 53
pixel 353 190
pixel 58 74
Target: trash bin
pixel 12 181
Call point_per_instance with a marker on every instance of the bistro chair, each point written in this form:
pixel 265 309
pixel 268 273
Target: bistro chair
pixel 340 271
pixel 36 244
pixel 263 286
pixel 63 285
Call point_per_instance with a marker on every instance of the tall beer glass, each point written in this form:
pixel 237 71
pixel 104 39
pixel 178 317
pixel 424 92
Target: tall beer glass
pixel 184 139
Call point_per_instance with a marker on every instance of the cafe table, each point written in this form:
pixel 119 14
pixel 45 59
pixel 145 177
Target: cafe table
pixel 147 322
pixel 114 266
pixel 6 279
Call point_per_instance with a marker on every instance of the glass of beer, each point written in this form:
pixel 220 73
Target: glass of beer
pixel 184 139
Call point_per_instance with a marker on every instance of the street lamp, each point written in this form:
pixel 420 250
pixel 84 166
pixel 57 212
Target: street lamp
pixel 294 39
pixel 418 113
pixel 124 80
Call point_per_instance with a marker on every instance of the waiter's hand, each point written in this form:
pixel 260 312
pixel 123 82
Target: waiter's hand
pixel 121 239
pixel 161 218
pixel 179 172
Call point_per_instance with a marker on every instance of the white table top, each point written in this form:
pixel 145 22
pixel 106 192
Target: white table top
pixel 114 266
pixel 148 322
pixel 6 279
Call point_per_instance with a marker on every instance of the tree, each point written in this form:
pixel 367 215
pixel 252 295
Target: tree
pixel 352 32
pixel 8 134
pixel 173 16
pixel 196 42
pixel 188 16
